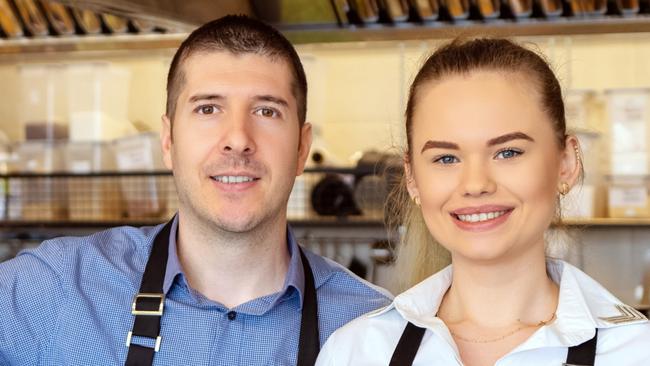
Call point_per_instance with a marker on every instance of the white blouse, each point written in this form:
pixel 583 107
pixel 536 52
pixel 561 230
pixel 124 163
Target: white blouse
pixel 584 305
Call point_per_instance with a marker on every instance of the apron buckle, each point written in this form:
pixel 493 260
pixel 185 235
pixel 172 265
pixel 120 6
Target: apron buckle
pixel 145 296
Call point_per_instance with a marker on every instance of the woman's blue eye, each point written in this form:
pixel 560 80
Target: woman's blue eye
pixel 508 154
pixel 446 159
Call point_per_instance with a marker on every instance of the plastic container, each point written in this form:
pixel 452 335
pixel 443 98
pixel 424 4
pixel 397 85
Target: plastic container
pixel 92 198
pixel 520 8
pixel 98 100
pixel 582 202
pixel 579 106
pixel 426 9
pixel 628 112
pixel 590 146
pixel 5 155
pixel 144 196
pixel 38 198
pixel 457 9
pixel 43 104
pixel 627 196
pixel 489 9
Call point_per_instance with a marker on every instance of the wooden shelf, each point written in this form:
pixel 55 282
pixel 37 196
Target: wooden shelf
pixel 497 27
pixel 331 34
pixel 95 44
pixel 607 222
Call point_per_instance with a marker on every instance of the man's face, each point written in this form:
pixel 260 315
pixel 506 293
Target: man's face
pixel 237 144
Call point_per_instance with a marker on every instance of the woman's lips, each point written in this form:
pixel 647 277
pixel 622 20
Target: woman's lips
pixel 482 218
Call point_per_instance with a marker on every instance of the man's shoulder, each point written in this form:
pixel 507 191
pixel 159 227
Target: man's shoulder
pixel 114 240
pixel 332 277
pixel 126 244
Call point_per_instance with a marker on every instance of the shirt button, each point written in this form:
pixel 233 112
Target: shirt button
pixel 232 315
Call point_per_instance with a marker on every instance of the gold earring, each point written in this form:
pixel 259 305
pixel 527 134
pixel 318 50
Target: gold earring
pixel 577 150
pixel 564 188
pixel 416 199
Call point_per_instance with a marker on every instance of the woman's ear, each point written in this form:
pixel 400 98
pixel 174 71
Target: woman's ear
pixel 411 186
pixel 571 162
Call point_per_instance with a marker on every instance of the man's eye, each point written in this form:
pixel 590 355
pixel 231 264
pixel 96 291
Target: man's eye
pixel 267 112
pixel 206 109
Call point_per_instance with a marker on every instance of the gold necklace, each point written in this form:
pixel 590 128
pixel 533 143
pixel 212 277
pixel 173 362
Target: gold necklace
pixel 521 327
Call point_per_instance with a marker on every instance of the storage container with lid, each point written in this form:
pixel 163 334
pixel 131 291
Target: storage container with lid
pixel 628 113
pixel 43 108
pixel 98 101
pixel 627 196
pixel 38 198
pixel 92 197
pixel 144 195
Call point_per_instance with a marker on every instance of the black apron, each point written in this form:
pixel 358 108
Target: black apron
pixel 148 307
pixel 581 355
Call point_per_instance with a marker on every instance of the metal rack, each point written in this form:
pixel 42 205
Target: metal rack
pixel 321 198
pixel 36 207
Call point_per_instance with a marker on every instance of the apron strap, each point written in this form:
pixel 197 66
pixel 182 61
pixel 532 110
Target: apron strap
pixel 408 346
pixel 149 302
pixel 148 307
pixel 309 343
pixel 583 354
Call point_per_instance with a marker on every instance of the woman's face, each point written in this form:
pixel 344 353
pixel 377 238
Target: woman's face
pixel 486 165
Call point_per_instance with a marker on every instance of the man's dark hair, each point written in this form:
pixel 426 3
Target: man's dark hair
pixel 237 34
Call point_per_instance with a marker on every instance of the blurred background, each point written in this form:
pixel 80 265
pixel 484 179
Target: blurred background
pixel 83 90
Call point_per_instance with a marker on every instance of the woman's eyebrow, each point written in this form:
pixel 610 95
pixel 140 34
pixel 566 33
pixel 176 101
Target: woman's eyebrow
pixel 509 137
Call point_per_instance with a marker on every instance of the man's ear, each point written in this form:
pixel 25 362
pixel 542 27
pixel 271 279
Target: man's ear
pixel 166 142
pixel 304 147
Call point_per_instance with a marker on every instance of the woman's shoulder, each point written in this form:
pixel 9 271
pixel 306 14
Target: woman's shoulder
pixel 627 343
pixel 371 336
pixel 386 320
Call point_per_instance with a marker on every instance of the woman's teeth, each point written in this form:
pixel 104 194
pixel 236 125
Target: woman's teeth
pixel 484 216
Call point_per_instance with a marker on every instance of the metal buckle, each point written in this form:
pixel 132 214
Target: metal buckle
pixel 158 312
pixel 156 347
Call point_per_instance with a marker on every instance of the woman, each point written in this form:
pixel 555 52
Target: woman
pixel 488 158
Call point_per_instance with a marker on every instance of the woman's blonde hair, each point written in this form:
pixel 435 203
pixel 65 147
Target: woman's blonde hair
pixel 418 254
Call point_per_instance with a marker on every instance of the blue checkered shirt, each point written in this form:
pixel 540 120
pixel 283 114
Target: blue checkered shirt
pixel 68 302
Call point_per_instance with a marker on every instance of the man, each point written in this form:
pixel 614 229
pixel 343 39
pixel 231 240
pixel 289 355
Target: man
pixel 224 283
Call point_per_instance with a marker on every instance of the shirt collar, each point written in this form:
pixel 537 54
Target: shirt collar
pixel 295 275
pixel 583 306
pixel 173 264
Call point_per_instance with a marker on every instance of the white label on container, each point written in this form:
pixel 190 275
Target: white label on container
pixel 575 110
pixel 136 156
pixel 81 166
pixel 628 136
pixel 632 196
pixel 628 115
pixel 628 107
pixel 629 163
